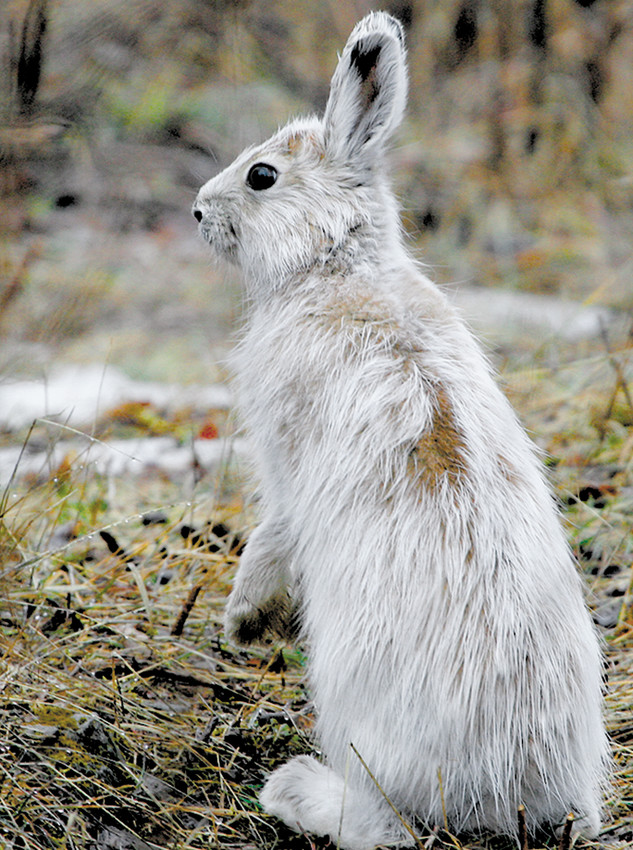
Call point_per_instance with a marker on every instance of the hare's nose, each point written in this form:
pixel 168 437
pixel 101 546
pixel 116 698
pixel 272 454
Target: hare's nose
pixel 197 214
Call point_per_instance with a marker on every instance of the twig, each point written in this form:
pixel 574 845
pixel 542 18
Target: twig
pixel 116 687
pixel 114 547
pixel 5 496
pixel 276 664
pixel 186 610
pixel 621 382
pixel 430 841
pixel 391 805
pixel 523 836
pixel 345 784
pixel 16 283
pixel 441 784
pixel 565 838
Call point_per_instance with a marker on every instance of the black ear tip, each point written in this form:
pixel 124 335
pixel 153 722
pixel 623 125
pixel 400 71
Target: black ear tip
pixel 380 28
pixel 364 58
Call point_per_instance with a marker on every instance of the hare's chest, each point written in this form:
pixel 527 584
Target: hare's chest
pixel 281 385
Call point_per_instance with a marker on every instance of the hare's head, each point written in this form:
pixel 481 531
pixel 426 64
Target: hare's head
pixel 316 192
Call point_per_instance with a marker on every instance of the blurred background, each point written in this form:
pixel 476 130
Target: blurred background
pixel 513 165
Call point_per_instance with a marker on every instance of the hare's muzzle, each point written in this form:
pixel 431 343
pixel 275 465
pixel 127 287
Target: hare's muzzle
pixel 215 225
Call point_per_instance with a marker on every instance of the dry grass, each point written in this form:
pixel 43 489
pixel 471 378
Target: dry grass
pixel 128 722
pixel 125 717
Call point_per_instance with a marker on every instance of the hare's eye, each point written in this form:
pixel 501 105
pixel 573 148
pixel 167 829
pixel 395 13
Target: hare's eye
pixel 261 176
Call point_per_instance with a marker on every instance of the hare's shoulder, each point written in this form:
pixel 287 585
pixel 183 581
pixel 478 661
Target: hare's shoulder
pixel 401 311
pixel 387 320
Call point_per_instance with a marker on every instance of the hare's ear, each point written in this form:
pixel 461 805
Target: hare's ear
pixel 368 90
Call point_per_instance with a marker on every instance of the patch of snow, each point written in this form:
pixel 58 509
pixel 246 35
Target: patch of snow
pixel 76 395
pixel 503 312
pixel 119 457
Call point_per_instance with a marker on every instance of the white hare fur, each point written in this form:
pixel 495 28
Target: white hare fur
pixel 406 522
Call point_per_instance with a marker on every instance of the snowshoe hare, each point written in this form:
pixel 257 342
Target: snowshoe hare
pixel 406 522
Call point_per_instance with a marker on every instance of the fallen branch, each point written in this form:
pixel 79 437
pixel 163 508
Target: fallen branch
pixel 185 611
pixel 523 836
pixel 565 837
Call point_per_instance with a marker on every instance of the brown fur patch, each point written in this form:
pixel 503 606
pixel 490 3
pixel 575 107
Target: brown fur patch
pixel 295 143
pixel 298 140
pixel 440 450
pixel 356 309
pixel 508 470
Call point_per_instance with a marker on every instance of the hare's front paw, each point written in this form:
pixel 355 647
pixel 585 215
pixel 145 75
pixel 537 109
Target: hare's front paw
pixel 248 623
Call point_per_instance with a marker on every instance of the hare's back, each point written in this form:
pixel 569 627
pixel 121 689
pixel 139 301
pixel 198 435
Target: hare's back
pixel 375 381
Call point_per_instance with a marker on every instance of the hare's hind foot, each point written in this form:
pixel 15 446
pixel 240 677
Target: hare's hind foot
pixel 586 826
pixel 310 797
